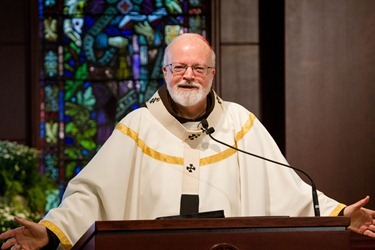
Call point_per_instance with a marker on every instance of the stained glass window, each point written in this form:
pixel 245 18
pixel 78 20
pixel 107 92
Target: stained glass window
pixel 101 59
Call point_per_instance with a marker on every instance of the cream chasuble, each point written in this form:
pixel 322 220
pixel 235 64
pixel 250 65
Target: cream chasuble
pixel 151 159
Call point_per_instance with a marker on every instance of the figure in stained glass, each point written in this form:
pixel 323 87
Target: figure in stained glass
pixel 102 59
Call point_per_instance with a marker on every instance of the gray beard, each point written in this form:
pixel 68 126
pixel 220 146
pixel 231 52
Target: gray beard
pixel 187 98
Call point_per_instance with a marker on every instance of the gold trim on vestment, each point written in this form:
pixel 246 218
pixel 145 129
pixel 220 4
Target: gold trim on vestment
pixel 146 149
pixel 57 231
pixel 180 160
pixel 246 128
pixel 229 152
pixel 337 209
pixel 217 157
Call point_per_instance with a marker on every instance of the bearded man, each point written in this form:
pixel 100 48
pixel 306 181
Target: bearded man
pixel 159 162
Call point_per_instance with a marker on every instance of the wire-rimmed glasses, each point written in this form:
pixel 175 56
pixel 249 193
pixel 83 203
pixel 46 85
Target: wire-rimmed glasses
pixel 180 68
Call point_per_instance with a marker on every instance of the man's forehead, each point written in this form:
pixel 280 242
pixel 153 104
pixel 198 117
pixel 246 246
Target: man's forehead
pixel 191 36
pixel 198 53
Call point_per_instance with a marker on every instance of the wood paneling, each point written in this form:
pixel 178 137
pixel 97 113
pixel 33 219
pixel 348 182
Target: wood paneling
pixel 240 76
pixel 13 93
pixel 13 56
pixel 238 53
pixel 13 17
pixel 330 58
pixel 239 21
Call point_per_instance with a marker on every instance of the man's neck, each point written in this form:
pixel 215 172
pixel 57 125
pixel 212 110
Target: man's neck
pixel 191 112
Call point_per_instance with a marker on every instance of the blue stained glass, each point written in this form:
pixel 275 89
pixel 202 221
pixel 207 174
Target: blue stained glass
pixel 69 140
pixel 93 115
pixel 108 63
pixel 50 162
pixel 50 3
pixel 71 62
pixel 61 189
pixel 89 22
pixel 101 118
pixel 135 106
pixel 113 31
pixel 51 100
pixel 40 9
pixel 78 169
pixel 42 133
pixel 50 64
pixel 68 74
pixel 130 49
pixel 85 152
pixel 67 119
pixel 126 32
pixel 61 102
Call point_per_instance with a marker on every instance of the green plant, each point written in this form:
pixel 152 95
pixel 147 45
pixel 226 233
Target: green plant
pixel 8 211
pixel 23 189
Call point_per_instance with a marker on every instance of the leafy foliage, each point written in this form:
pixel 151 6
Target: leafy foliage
pixel 23 189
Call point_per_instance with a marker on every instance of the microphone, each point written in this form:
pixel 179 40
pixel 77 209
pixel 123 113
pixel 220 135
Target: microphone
pixel 210 130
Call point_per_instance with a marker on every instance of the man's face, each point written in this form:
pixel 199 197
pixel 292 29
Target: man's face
pixel 190 87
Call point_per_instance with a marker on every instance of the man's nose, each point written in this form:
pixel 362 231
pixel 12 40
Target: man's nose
pixel 189 73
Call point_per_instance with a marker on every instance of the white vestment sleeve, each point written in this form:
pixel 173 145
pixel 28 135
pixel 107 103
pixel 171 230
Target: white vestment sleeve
pixel 271 189
pixel 99 192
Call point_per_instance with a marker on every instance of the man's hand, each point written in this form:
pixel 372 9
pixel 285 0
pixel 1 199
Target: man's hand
pixel 362 220
pixel 29 236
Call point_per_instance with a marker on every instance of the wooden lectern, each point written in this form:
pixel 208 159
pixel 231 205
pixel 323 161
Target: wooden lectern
pixel 222 234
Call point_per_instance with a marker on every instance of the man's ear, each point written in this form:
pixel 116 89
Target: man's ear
pixel 164 71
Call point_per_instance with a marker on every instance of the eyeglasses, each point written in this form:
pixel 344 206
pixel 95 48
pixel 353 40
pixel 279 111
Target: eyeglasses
pixel 180 68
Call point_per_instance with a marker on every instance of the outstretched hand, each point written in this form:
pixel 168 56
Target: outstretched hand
pixel 362 220
pixel 29 236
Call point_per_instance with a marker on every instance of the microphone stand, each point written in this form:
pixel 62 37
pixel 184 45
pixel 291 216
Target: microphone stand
pixel 211 130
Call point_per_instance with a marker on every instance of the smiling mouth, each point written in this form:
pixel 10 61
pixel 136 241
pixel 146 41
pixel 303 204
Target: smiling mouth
pixel 188 86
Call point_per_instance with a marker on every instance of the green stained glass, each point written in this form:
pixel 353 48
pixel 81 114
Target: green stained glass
pixel 101 59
